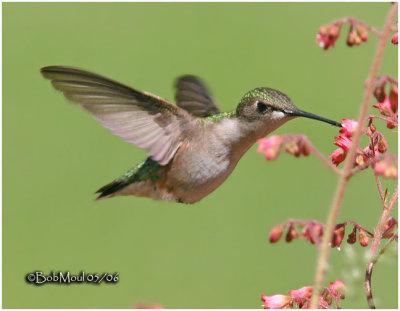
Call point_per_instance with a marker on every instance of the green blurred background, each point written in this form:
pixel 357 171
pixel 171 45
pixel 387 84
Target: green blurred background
pixel 213 254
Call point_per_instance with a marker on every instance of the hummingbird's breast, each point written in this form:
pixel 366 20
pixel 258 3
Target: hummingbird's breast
pixel 204 161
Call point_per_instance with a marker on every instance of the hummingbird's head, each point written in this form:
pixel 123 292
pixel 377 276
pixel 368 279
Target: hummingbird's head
pixel 272 106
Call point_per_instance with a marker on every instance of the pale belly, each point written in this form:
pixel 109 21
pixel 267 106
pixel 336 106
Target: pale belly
pixel 195 175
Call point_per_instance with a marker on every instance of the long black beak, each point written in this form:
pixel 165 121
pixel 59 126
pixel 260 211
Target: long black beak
pixel 301 113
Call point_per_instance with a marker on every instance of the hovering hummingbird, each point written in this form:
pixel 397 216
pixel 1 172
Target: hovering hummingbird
pixel 192 146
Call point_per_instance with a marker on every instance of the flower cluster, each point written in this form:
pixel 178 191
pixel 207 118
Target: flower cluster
pixel 300 298
pixel 313 232
pixel 328 34
pixel 357 35
pixel 294 144
pixel 374 154
pixel 343 141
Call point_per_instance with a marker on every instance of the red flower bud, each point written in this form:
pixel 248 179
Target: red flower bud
pixel 291 234
pixel 390 223
pixel 363 238
pixel 382 145
pixel 372 128
pixel 391 122
pixel 395 38
pixel 380 93
pixel 362 33
pixel 276 233
pixel 394 98
pixel 337 236
pixel 292 147
pixel 352 238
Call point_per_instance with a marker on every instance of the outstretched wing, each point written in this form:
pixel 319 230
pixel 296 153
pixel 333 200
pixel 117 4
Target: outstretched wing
pixel 192 95
pixel 145 120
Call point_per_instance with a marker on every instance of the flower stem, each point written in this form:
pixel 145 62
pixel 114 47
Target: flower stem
pixel 379 232
pixel 343 179
pixel 368 273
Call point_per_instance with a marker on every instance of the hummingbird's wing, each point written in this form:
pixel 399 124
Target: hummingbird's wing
pixel 143 119
pixel 192 95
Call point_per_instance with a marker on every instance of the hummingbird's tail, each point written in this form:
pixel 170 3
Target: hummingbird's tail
pixel 147 170
pixel 110 189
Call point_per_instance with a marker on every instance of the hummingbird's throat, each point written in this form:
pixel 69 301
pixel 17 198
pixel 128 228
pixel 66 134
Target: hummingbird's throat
pixel 301 113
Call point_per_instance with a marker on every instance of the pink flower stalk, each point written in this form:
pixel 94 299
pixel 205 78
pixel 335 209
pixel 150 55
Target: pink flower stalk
pixel 343 142
pixel 385 107
pixel 338 156
pixel 348 127
pixel 276 301
pixel 270 146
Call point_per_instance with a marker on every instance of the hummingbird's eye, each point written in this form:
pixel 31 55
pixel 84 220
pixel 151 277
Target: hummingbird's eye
pixel 261 107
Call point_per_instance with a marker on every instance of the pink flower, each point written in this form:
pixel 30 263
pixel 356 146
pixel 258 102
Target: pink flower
pixel 338 156
pixel 395 38
pixel 385 168
pixel 391 172
pixel 385 107
pixel 270 146
pixel 380 167
pixel 348 127
pixel 337 288
pixel 304 292
pixel 343 142
pixel 276 301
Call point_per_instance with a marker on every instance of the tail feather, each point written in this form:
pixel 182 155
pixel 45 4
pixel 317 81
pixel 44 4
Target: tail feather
pixel 109 189
pixel 147 169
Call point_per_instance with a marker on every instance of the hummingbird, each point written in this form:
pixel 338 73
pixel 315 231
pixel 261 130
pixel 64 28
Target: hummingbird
pixel 192 147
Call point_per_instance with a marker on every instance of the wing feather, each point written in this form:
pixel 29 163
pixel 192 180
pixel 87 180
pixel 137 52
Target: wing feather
pixel 193 96
pixel 143 119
